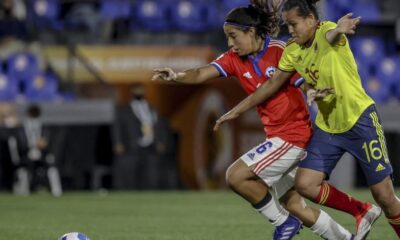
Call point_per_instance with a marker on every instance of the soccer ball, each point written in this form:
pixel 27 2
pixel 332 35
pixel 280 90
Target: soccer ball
pixel 74 236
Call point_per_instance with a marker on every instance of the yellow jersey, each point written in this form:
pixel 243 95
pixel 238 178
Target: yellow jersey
pixel 325 65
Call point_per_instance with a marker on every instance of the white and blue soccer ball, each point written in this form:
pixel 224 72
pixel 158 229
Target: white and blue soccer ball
pixel 74 236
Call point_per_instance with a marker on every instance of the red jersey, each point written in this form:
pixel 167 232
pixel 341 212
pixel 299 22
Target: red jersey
pixel 284 115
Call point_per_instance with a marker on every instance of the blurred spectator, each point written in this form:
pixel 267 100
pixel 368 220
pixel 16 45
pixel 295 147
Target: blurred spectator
pixel 8 124
pixel 32 152
pixel 83 17
pixel 141 141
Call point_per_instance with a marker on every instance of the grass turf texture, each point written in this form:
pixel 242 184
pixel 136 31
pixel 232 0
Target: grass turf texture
pixel 148 216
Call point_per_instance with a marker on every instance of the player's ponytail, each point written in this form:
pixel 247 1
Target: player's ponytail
pixel 269 16
pixel 264 18
pixel 304 7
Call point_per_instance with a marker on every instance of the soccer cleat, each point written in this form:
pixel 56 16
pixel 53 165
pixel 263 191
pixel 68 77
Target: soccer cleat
pixel 366 219
pixel 288 229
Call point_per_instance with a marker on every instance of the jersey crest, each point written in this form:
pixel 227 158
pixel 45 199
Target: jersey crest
pixel 269 72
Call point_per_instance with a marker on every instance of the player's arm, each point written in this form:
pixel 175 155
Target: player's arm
pixel 265 91
pixel 345 25
pixel 190 76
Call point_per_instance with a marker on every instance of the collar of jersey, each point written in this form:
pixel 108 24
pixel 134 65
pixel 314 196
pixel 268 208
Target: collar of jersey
pixel 257 58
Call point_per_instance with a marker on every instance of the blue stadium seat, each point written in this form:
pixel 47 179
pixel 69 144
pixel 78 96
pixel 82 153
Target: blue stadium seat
pixel 344 4
pixel 377 89
pixel 8 88
pixel 397 91
pixel 370 49
pixel 333 10
pixel 22 66
pixel 192 15
pixel 115 9
pixel 363 70
pixel 151 15
pixel 44 14
pixel 389 71
pixel 231 4
pixel 41 87
pixel 368 10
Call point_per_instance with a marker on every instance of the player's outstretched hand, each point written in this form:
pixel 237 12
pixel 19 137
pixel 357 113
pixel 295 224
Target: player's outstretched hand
pixel 166 74
pixel 318 94
pixel 347 24
pixel 226 117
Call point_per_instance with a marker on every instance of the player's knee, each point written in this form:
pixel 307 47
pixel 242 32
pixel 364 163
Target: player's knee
pixel 232 178
pixel 303 186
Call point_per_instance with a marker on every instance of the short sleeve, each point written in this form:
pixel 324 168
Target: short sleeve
pixel 224 65
pixel 325 27
pixel 285 63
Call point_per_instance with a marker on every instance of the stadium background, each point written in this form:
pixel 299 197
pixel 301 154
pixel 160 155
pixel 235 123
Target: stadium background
pixel 89 53
pixel 78 60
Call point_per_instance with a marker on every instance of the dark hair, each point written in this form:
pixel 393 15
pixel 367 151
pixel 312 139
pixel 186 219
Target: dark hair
pixel 265 19
pixel 304 7
pixel 33 111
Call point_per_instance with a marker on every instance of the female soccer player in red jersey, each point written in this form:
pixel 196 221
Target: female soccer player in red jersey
pixel 346 122
pixel 253 59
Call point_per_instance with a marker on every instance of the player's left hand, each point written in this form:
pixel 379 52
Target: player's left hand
pixel 226 117
pixel 347 24
pixel 318 94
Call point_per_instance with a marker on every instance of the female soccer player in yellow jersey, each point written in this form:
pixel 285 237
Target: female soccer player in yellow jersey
pixel 270 166
pixel 347 120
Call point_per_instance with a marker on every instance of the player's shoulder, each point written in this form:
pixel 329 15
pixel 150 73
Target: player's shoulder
pixel 326 25
pixel 291 43
pixel 274 43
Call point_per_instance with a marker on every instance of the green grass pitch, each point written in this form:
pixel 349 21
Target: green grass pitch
pixel 148 216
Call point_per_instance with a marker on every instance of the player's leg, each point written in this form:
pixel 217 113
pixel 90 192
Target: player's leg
pixel 245 183
pixel 371 152
pixel 243 177
pixel 316 167
pixel 384 195
pixel 317 220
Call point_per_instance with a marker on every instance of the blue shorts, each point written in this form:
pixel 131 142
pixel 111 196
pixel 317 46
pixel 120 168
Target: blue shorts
pixel 365 141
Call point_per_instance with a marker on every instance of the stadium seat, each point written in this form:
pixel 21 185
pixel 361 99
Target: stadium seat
pixel 389 71
pixel 344 4
pixel 150 15
pixel 8 88
pixel 363 70
pixel 22 66
pixel 115 9
pixel 333 10
pixel 44 14
pixel 231 4
pixel 192 15
pixel 377 89
pixel 370 49
pixel 41 87
pixel 368 10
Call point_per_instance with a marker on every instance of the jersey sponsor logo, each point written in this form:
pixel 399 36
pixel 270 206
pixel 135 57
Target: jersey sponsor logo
pixel 263 147
pixel 269 72
pixel 379 168
pixel 247 75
